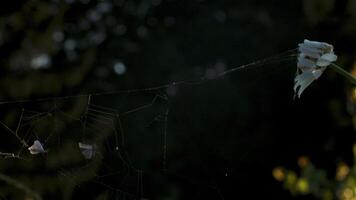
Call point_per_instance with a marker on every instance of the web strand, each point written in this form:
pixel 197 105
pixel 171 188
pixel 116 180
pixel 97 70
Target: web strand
pixel 103 128
pixel 290 54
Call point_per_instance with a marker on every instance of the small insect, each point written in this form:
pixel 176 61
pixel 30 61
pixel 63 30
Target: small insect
pixel 87 150
pixel 36 148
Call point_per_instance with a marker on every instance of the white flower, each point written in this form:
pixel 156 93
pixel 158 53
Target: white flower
pixel 36 148
pixel 87 150
pixel 313 59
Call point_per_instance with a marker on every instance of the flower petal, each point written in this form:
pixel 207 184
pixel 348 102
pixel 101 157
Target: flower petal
pixel 304 62
pixel 317 73
pixel 331 57
pixel 316 44
pixel 311 52
pixel 302 81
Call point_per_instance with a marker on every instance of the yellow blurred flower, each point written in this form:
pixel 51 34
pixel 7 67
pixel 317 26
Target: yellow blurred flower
pixel 353 94
pixel 354 150
pixel 342 172
pixel 291 178
pixel 303 161
pixel 278 173
pixel 348 193
pixel 303 185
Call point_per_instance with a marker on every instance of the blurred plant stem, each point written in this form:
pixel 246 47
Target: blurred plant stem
pixel 344 73
pixel 19 186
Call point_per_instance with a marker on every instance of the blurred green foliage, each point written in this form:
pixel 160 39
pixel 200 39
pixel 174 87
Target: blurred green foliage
pixel 315 181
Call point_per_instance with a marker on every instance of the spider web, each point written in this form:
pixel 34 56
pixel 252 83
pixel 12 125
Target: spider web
pixel 120 168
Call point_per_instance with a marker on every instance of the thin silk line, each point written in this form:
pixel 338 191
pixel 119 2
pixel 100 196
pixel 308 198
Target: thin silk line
pixel 287 54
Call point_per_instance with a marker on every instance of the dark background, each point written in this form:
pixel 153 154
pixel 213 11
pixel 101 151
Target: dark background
pixel 224 136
